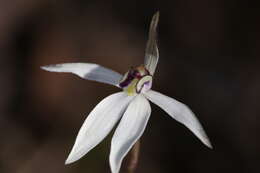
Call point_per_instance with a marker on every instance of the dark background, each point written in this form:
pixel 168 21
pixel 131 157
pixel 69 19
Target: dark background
pixel 209 59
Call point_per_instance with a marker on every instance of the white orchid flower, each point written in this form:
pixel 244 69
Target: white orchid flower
pixel 130 105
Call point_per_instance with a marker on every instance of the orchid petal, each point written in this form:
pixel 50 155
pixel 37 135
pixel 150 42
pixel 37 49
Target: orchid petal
pixel 88 71
pixel 179 112
pixel 129 130
pixel 98 124
pixel 152 52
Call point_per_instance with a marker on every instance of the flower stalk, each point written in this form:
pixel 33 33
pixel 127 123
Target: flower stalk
pixel 133 157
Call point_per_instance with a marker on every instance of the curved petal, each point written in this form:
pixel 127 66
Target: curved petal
pixel 98 124
pixel 88 71
pixel 129 130
pixel 179 112
pixel 152 52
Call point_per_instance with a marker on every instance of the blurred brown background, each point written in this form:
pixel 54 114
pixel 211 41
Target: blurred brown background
pixel 209 59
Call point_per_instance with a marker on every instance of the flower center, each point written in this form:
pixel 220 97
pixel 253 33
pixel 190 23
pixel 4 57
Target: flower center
pixel 136 80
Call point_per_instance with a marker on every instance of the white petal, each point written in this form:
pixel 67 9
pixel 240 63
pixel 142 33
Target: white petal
pixel 98 124
pixel 179 112
pixel 88 71
pixel 152 52
pixel 130 129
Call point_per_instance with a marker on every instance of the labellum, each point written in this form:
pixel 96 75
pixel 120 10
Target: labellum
pixel 136 80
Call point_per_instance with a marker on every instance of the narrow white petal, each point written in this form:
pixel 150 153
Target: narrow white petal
pixel 179 112
pixel 152 52
pixel 98 124
pixel 88 71
pixel 129 130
